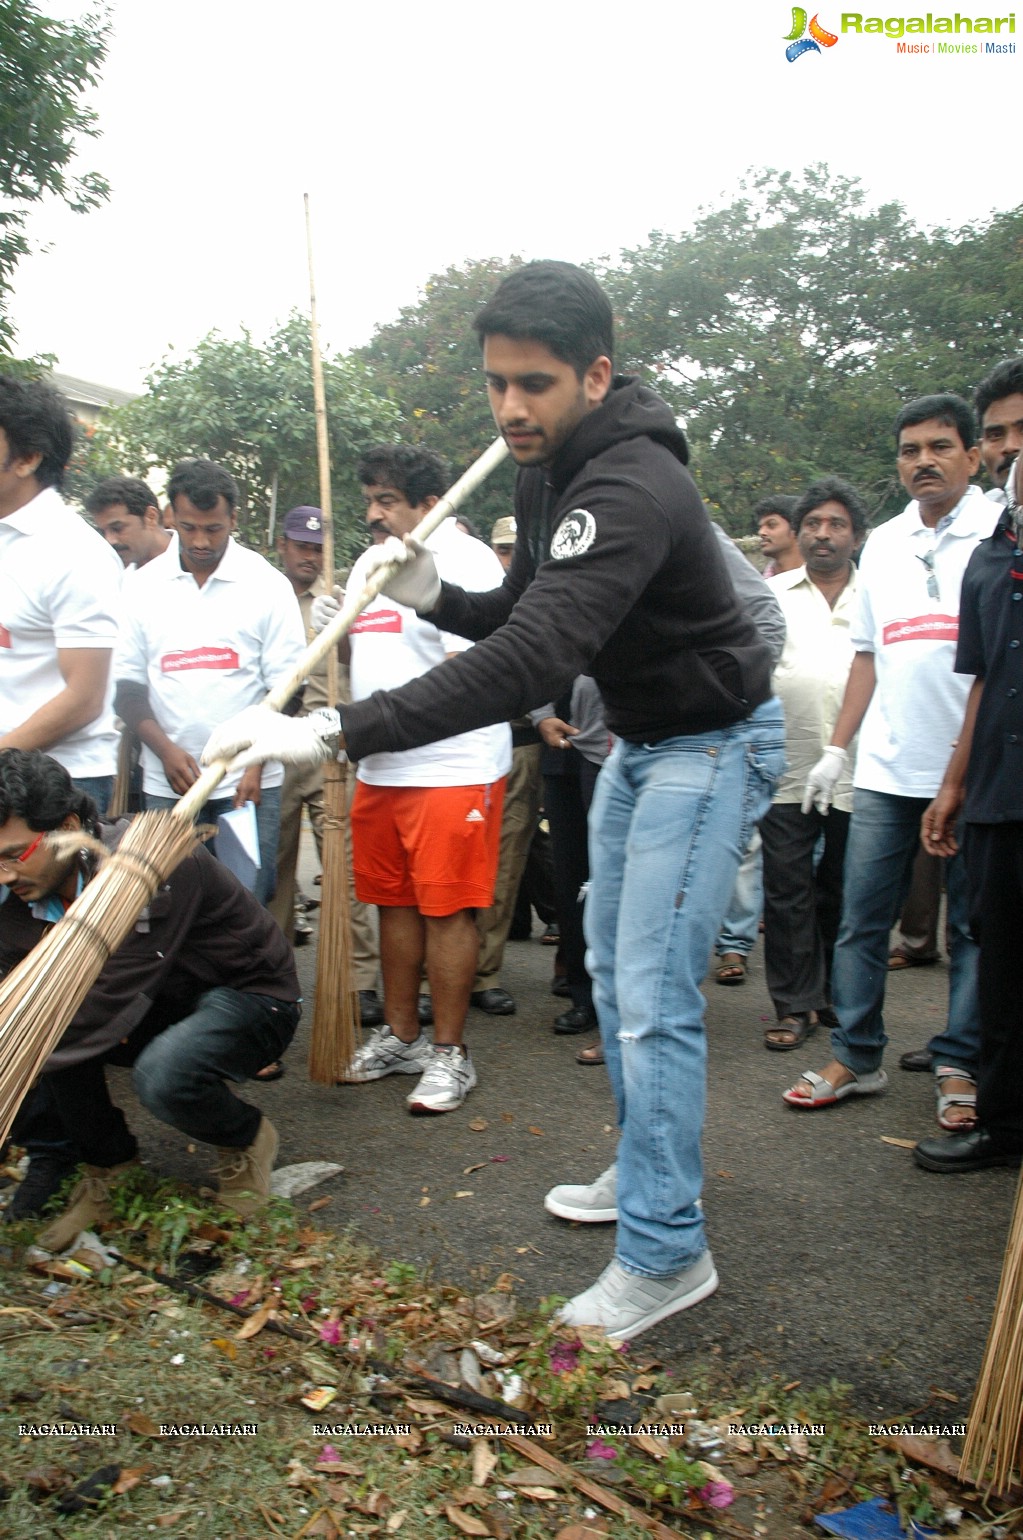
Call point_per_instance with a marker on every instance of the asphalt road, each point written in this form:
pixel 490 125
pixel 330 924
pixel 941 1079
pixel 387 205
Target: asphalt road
pixel 838 1258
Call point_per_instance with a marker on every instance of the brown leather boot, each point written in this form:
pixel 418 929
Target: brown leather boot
pixel 88 1206
pixel 243 1176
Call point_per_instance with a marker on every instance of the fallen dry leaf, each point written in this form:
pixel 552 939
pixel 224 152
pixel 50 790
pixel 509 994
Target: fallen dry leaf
pixel 374 1506
pixel 468 1523
pixel 128 1479
pixel 167 1520
pixel 484 1460
pixel 225 1346
pixel 540 1494
pixel 317 1203
pixel 424 1203
pixel 659 1448
pixel 255 1323
pixel 900 1144
pixel 468 1194
pixel 468 1170
pixel 145 1427
pixel 411 1441
pixel 396 1520
pixel 533 1129
pixel 428 1408
pixel 478 1125
pixel 532 1475
pixel 593 1529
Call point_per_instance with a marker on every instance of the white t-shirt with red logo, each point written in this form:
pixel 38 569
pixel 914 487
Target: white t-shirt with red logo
pixel 917 708
pixel 391 645
pixel 59 588
pixel 206 653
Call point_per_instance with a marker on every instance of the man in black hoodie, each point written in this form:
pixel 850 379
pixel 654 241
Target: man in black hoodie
pixel 617 573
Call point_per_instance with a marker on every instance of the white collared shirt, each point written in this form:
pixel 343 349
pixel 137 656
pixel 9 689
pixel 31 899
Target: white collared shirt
pixel 918 702
pixel 59 588
pixel 206 653
pixel 811 675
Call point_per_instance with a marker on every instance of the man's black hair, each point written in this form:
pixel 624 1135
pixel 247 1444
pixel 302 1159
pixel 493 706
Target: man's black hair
pixel 129 490
pixel 414 472
pixel 945 408
pixel 34 787
pixel 202 482
pixel 1005 379
pixel 36 420
pixel 556 304
pixel 784 507
pixel 832 489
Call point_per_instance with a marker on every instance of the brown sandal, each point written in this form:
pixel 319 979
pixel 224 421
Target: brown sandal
pixel 731 968
pixel 594 1054
pixel 798 1025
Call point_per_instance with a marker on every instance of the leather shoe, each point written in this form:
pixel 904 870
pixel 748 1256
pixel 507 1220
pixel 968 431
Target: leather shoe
pixel 916 1059
pixel 581 1018
pixel 424 1011
pixel 972 1151
pixel 496 1002
pixel 371 1012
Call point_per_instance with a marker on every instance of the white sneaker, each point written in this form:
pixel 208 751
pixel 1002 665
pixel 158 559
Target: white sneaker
pixel 447 1080
pixel 384 1054
pixel 595 1204
pixel 626 1304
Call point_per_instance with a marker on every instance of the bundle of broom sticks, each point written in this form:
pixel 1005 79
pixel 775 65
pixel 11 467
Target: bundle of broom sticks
pixel 39 997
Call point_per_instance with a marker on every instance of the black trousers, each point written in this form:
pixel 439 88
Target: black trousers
pixel 994 868
pixel 566 801
pixel 802 903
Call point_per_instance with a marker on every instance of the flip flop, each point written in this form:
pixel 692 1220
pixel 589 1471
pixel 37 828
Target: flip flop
pixel 594 1054
pixel 731 968
pixel 824 1094
pixel 274 1071
pixel 798 1023
pixel 955 1099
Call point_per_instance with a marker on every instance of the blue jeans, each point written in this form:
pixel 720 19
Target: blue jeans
pixel 741 925
pixel 268 828
pixel 884 836
pixel 180 1075
pixel 669 825
pixel 99 787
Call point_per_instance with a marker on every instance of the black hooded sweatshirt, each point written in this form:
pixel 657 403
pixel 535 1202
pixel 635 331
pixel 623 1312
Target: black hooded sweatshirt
pixel 616 573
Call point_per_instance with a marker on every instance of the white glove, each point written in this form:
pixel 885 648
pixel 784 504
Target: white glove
pixel 823 778
pixel 258 734
pixel 325 607
pixel 416 583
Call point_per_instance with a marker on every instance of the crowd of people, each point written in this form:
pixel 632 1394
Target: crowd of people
pixel 714 752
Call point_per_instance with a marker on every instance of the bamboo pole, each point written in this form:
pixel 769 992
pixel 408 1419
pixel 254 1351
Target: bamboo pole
pixel 335 1009
pixel 993 1451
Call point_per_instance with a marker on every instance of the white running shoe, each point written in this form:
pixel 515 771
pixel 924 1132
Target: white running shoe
pixel 626 1304
pixel 595 1205
pixel 447 1079
pixel 384 1054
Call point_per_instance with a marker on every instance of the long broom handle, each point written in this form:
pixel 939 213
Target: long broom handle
pixel 322 441
pixel 189 805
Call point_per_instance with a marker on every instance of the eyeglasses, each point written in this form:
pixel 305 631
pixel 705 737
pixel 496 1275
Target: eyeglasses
pixel 11 863
pixel 933 591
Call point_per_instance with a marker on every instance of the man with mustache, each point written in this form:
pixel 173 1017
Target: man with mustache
pixel 803 890
pixel 999 399
pixel 904 691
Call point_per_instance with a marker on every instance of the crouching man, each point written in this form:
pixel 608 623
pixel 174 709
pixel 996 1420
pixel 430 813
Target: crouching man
pixel 202 992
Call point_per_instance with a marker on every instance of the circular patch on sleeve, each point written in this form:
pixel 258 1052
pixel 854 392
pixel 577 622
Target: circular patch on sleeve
pixel 574 535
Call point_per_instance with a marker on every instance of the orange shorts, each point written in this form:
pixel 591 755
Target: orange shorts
pixel 431 848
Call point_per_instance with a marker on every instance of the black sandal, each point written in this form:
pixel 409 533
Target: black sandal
pixel 798 1023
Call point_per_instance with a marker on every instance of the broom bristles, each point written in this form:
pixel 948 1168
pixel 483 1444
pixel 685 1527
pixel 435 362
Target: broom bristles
pixel 333 1039
pixel 40 996
pixel 992 1456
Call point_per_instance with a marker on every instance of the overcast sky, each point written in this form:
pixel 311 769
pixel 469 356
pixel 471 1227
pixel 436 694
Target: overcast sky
pixel 427 134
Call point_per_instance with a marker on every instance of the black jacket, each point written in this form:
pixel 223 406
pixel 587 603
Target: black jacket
pixel 616 573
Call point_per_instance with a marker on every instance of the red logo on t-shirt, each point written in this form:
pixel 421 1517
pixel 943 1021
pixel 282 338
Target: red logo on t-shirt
pixel 378 620
pixel 5 637
pixel 220 658
pixel 922 628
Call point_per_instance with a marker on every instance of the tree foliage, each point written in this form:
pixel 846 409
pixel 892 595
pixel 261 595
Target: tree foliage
pixel 250 408
pixel 428 360
pixel 789 327
pixel 45 68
